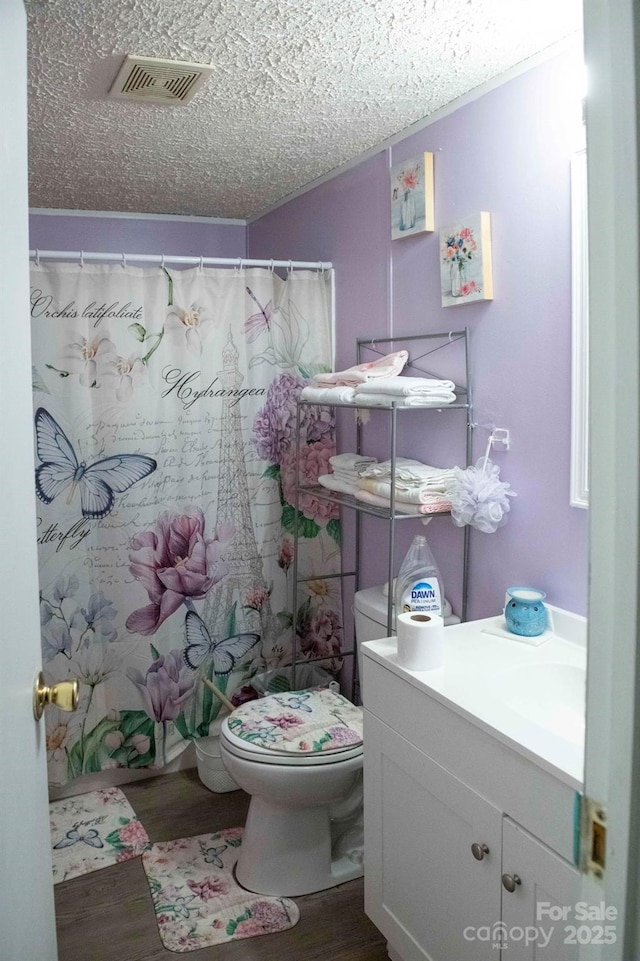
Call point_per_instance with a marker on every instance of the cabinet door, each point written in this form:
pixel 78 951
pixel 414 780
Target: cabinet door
pixel 424 889
pixel 540 921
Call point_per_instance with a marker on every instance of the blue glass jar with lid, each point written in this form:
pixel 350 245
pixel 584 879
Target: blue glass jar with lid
pixel 524 612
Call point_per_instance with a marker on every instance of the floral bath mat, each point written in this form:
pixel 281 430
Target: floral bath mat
pixel 197 900
pixel 92 831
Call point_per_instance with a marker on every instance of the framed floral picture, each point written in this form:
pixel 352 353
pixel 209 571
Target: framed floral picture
pixel 412 201
pixel 466 272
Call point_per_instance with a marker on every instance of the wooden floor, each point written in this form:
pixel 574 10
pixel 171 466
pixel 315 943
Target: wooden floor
pixel 109 915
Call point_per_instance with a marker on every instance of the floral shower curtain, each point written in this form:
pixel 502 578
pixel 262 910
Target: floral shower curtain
pixel 165 415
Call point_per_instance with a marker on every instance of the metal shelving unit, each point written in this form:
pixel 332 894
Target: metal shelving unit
pixel 421 347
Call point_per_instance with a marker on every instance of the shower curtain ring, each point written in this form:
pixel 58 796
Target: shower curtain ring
pixel 162 263
pixel 272 267
pixel 290 267
pixel 37 257
pixel 201 263
pixel 124 261
pixel 82 258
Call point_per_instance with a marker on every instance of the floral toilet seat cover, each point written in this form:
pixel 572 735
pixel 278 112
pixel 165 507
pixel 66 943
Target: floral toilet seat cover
pixel 299 722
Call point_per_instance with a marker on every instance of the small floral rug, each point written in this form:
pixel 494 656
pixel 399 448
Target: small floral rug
pixel 92 831
pixel 197 901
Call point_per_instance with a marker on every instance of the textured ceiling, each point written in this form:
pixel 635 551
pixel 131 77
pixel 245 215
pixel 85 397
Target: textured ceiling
pixel 299 88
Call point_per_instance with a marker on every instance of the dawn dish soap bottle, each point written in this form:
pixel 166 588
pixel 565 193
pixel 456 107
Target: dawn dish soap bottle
pixel 419 583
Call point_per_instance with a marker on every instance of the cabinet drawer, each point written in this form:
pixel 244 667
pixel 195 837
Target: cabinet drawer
pixel 530 794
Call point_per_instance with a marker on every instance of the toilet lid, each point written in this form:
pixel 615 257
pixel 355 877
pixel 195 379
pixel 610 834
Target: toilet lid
pixel 302 725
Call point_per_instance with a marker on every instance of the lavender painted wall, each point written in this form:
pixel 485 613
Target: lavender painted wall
pixel 136 235
pixel 507 152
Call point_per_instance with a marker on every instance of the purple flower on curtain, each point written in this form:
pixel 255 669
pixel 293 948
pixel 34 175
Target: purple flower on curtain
pixel 164 687
pixel 285 555
pixel 56 639
pixel 65 587
pixel 275 425
pixel 90 359
pixel 314 461
pixel 99 614
pixel 175 562
pixel 321 634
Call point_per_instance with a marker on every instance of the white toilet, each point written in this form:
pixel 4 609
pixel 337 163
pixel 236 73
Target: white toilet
pixel 304 827
pixel 305 796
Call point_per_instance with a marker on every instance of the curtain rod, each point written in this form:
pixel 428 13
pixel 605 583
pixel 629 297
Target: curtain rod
pixel 162 259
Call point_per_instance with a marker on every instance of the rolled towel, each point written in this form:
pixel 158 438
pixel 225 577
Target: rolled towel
pixel 352 462
pixel 328 395
pixel 407 386
pixel 388 366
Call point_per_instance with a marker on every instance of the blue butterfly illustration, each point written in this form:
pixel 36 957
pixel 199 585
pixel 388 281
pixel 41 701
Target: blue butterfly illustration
pixel 225 653
pixel 98 482
pixel 296 702
pixel 90 837
pixel 212 855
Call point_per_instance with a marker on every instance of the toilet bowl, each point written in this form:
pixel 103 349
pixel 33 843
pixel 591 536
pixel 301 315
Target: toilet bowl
pixel 299 756
pixel 304 830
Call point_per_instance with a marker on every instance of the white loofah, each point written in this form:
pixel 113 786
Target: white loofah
pixel 478 497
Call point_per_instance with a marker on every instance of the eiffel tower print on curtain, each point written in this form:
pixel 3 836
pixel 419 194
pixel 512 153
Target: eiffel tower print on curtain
pixel 244 561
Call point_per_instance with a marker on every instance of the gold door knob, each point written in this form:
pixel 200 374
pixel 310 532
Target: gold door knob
pixel 64 695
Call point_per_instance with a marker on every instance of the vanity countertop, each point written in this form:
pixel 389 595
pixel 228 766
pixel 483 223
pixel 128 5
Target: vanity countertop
pixel 530 697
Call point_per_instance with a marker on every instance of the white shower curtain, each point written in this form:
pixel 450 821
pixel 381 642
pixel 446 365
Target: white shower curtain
pixel 165 464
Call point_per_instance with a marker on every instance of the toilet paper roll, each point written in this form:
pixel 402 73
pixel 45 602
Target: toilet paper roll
pixel 420 641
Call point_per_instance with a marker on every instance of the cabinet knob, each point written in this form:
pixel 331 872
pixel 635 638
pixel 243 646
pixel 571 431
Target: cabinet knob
pixel 479 851
pixel 510 882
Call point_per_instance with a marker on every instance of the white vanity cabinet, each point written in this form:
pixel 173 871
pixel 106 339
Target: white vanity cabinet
pixel 444 807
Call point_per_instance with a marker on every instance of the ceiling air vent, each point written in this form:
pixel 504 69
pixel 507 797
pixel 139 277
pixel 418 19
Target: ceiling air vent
pixel 152 80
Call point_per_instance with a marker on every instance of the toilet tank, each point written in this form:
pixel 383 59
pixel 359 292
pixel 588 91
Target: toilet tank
pixel 370 612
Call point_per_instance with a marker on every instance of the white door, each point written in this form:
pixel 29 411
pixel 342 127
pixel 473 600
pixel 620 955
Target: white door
pixel 612 55
pixel 27 924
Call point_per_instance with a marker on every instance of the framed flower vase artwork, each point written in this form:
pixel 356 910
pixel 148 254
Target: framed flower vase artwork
pixel 466 273
pixel 412 201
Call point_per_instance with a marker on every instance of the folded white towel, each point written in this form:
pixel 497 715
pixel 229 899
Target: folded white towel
pixel 349 476
pixel 410 472
pixel 353 462
pixel 407 495
pixel 333 483
pixel 440 506
pixel 388 366
pixel 406 386
pixel 328 395
pixel 363 399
